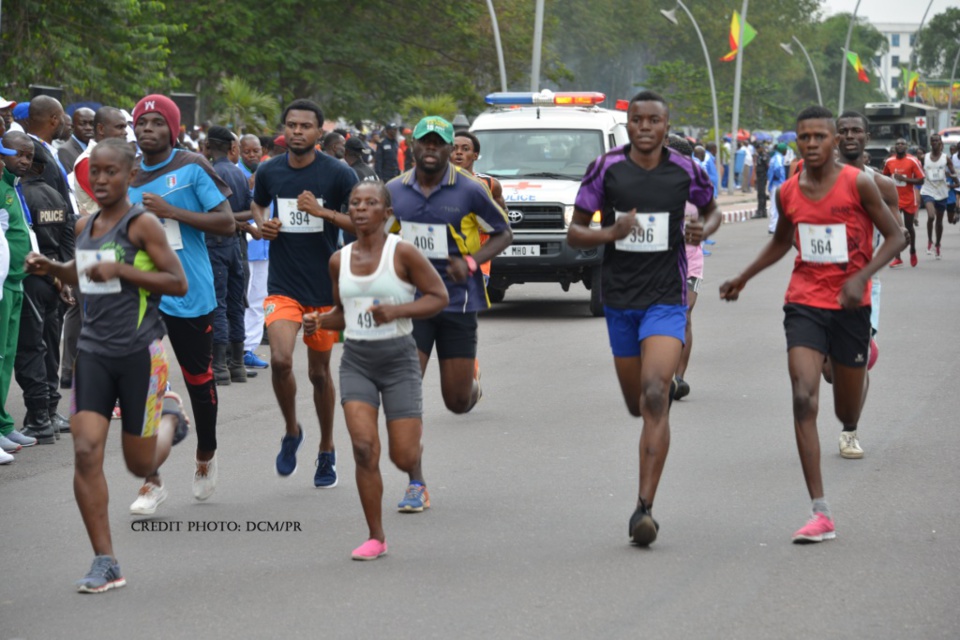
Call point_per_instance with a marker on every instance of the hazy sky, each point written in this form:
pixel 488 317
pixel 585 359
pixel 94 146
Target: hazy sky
pixel 888 10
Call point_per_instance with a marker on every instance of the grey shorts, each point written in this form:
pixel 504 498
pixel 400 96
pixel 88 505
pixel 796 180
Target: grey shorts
pixel 388 369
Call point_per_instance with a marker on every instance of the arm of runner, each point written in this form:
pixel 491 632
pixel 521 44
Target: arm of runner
pixel 706 224
pixel 331 320
pixel 218 220
pixel 416 269
pixel 269 227
pixel 775 249
pixel 893 242
pixel 169 279
pixel 581 236
pixel 888 191
pixel 497 193
pixel 306 201
pixel 39 265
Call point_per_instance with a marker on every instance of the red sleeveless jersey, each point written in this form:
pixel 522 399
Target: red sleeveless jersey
pixel 834 237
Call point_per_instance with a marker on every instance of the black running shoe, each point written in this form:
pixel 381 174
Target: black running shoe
pixel 643 528
pixel 683 389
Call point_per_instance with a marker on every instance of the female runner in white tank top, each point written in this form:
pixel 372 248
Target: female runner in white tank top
pixel 374 285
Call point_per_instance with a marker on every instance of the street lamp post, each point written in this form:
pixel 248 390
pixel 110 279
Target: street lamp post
pixel 735 126
pixel 496 41
pixel 537 46
pixel 846 47
pixel 816 82
pixel 671 15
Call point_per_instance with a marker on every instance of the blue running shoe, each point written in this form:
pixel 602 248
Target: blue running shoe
pixel 103 576
pixel 707 253
pixel 326 475
pixel 251 360
pixel 709 241
pixel 415 500
pixel 287 458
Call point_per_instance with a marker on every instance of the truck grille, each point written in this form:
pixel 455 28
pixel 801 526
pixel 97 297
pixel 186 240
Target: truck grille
pixel 536 217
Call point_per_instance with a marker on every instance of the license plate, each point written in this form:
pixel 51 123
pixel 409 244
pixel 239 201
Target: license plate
pixel 521 251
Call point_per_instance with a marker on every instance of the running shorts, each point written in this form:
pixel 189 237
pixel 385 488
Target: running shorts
pixel 284 308
pixel 843 335
pixel 387 369
pixel 629 327
pixel 138 381
pixel 940 205
pixel 454 334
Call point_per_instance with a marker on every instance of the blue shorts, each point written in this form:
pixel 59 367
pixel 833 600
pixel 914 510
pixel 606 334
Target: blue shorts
pixel 629 327
pixel 937 204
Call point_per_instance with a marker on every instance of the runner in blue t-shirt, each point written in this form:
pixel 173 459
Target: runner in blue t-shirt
pixel 308 191
pixel 181 188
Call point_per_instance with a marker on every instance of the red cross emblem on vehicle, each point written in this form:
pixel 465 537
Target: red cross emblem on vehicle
pixel 921 122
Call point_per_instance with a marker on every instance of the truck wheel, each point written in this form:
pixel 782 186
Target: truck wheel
pixel 496 295
pixel 596 304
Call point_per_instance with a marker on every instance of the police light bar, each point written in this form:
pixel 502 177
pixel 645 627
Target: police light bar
pixel 546 97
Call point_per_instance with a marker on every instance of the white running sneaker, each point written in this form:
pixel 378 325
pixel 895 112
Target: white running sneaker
pixel 850 445
pixel 149 499
pixel 205 479
pixel 5 458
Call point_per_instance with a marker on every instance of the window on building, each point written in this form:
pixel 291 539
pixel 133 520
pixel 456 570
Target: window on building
pixel 913 38
pixel 894 39
pixel 895 61
pixel 894 83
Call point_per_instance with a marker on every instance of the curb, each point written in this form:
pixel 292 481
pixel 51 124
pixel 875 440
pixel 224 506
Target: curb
pixel 741 215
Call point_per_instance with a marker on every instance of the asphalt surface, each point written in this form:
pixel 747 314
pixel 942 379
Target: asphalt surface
pixel 532 491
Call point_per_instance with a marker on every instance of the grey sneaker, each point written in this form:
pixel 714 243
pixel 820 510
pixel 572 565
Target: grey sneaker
pixel 22 440
pixel 104 575
pixel 9 445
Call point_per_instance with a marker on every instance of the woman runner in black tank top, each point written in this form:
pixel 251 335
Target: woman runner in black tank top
pixel 126 264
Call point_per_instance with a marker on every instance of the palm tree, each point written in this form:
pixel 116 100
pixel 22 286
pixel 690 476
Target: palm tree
pixel 441 104
pixel 244 107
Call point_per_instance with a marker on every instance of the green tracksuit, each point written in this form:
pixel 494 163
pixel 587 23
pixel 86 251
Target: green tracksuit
pixel 18 237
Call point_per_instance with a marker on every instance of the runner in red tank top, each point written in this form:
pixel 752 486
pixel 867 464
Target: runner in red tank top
pixel 827 213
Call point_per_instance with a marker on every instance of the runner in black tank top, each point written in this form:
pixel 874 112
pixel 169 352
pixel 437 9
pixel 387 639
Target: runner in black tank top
pixel 127 264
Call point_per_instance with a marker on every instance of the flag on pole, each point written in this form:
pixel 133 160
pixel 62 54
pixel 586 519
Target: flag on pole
pixel 749 33
pixel 855 61
pixel 911 83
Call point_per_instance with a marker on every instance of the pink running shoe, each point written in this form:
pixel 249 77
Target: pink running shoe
pixel 817 529
pixel 370 550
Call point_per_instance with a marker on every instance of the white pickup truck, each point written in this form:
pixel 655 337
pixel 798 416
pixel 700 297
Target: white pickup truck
pixel 539 145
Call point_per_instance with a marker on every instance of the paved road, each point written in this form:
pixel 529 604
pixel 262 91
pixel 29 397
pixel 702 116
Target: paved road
pixel 527 537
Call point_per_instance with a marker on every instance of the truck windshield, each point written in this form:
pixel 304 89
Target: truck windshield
pixel 554 153
pixel 890 131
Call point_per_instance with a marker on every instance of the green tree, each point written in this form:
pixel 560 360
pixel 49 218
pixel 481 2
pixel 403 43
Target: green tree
pixel 246 109
pixel 415 107
pixel 103 50
pixel 939 43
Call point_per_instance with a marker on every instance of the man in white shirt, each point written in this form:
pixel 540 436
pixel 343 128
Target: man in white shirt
pixel 748 162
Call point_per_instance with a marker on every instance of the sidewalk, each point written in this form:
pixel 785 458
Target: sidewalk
pixel 738 206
